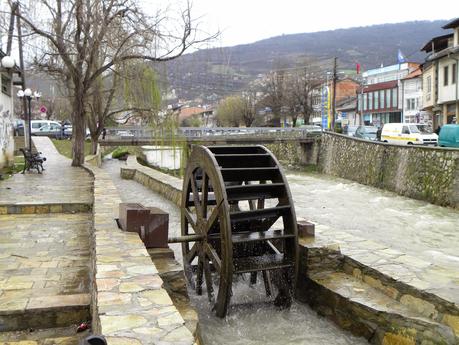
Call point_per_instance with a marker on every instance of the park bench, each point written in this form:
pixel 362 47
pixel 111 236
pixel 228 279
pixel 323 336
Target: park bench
pixel 32 160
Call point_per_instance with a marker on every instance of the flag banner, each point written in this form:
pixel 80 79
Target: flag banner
pixel 400 57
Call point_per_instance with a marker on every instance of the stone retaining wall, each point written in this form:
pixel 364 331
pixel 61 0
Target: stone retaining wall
pixel 168 186
pixel 425 173
pixel 129 305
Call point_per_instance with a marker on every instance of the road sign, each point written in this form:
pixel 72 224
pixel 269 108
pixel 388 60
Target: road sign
pixel 43 109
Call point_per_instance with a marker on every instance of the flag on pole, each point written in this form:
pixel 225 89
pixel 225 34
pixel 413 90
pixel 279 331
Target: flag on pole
pixel 400 57
pixel 357 68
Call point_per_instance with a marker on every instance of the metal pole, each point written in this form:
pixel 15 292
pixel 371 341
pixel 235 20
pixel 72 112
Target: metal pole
pixel 29 100
pixel 334 93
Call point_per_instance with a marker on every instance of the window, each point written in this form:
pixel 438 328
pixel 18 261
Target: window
pixel 405 130
pixel 453 74
pixel 365 101
pixel 445 76
pixel 6 85
pixel 411 104
pixel 376 96
pixel 383 99
pixel 394 98
pixel 370 100
pixel 429 84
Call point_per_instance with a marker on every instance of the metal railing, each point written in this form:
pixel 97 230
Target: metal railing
pixel 138 133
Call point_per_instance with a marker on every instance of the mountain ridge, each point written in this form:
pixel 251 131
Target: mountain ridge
pixel 228 69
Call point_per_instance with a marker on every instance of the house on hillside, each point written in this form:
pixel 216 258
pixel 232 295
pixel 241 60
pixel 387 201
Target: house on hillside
pixel 440 76
pixel 202 115
pixel 6 116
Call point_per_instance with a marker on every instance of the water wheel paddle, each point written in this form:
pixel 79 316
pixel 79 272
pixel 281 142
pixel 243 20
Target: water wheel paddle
pixel 233 200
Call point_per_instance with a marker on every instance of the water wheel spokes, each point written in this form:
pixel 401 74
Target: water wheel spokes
pixel 233 199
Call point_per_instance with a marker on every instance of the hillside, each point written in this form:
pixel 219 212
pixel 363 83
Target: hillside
pixel 220 71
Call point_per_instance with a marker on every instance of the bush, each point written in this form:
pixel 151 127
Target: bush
pixel 120 153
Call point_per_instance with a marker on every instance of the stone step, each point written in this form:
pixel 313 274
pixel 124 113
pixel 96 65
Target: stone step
pixel 366 311
pixel 43 208
pixel 44 312
pixel 50 336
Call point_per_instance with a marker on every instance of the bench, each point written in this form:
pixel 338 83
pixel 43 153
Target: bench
pixel 32 161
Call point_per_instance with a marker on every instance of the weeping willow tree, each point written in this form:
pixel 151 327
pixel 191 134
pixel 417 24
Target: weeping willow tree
pixel 129 92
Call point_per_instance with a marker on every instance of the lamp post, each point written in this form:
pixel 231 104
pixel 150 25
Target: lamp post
pixel 28 95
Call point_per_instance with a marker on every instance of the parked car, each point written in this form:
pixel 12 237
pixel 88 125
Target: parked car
pixel 311 129
pixel 406 134
pixel 366 132
pixel 350 130
pixel 449 136
pixel 53 130
pixel 37 124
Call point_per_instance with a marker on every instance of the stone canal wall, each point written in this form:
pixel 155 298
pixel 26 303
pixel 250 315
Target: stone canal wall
pixel 168 186
pixel 425 173
pixel 128 303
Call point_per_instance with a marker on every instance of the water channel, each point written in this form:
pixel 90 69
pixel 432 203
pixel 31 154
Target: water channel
pixel 247 323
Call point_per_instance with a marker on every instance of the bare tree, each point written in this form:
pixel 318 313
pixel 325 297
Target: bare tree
pixel 275 95
pixel 83 41
pixel 299 93
pixel 249 109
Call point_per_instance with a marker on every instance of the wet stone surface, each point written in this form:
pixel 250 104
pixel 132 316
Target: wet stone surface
pixel 58 184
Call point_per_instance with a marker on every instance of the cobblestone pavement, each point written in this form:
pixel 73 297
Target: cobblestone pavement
pixel 44 253
pixel 43 256
pixel 58 184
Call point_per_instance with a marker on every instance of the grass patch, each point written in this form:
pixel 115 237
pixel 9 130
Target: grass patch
pixel 65 147
pixel 120 153
pixel 7 172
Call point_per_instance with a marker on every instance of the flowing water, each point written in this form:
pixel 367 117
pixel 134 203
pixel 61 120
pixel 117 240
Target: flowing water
pixel 251 320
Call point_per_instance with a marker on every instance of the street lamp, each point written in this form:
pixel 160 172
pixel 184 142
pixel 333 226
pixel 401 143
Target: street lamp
pixel 8 62
pixel 28 94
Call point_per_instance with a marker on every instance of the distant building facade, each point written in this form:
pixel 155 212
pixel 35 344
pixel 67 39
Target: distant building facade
pixel 380 100
pixel 441 74
pixel 412 100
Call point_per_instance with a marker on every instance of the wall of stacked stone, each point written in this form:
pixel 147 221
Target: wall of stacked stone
pixel 128 304
pixel 166 185
pixel 295 153
pixel 425 173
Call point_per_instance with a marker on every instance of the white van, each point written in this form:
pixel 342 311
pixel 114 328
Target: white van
pixel 37 124
pixel 406 134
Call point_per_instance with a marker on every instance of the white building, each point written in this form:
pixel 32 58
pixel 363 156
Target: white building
pixel 6 117
pixel 412 99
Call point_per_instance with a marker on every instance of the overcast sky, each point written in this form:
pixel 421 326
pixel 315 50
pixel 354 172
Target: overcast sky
pixel 246 21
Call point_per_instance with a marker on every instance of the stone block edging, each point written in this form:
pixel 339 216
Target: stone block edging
pixel 38 208
pixel 128 303
pixel 168 186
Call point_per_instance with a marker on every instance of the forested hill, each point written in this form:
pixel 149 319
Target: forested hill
pixel 229 68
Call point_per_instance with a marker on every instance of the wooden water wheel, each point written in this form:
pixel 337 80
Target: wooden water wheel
pixel 237 217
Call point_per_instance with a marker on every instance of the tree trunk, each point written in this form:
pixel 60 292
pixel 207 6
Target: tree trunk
pixel 94 143
pixel 78 131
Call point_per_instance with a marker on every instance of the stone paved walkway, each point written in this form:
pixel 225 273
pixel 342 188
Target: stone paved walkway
pixel 44 245
pixel 59 183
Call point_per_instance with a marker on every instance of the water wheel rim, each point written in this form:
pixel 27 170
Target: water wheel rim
pixel 202 158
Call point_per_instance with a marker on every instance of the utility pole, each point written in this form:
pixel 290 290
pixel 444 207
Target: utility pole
pixel 335 74
pixel 27 130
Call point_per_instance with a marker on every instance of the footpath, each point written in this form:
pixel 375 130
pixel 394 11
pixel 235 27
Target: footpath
pixel 45 222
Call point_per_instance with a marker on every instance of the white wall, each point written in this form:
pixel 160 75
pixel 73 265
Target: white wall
pixel 412 90
pixel 6 130
pixel 447 93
